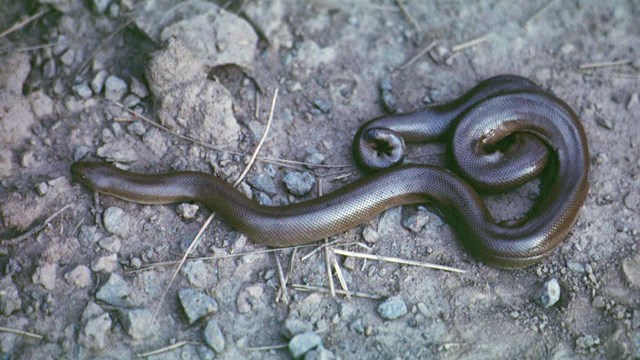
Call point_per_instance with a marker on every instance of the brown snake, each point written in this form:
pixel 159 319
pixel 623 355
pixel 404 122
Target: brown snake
pixel 502 133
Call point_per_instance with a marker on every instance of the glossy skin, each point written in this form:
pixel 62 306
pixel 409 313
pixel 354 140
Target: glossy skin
pixel 550 134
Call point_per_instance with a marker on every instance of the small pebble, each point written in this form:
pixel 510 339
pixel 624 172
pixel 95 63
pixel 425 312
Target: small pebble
pixel 576 267
pixel 196 304
pixel 303 343
pixel 137 322
pixel 100 6
pixel 634 102
pixel 97 83
pixel 80 152
pixel 112 244
pixel 197 273
pixel 45 275
pixel 370 235
pixel 9 296
pixel 294 326
pixel 417 221
pixel 42 188
pixel 137 128
pixel 388 98
pixel 94 334
pixel 587 341
pixel 115 221
pixel 107 264
pixel 299 183
pixel 139 88
pixel 324 106
pixel 213 336
pixel 114 88
pixel 319 353
pixel 82 90
pixel 264 183
pixel 116 291
pixel 314 158
pixel 130 101
pixel 549 294
pixel 188 211
pixel 392 308
pixel 79 277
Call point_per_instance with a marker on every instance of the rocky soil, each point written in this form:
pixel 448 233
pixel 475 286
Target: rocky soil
pixel 157 85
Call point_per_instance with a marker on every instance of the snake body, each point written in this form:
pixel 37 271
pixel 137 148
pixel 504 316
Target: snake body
pixel 503 132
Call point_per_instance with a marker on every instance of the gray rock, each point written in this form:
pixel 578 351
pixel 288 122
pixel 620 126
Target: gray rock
pixel 205 353
pixel 94 333
pixel 249 297
pixel 115 221
pixel 97 83
pixel 49 69
pixel 114 88
pixel 576 267
pixel 6 165
pixel 100 6
pixel 79 277
pixel 139 88
pixel 213 336
pixel 587 341
pixel 187 211
pixel 107 264
pixel 120 151
pixel 370 235
pixel 314 158
pixel 88 235
pixel 324 106
pixel 156 141
pixel 9 298
pixel 20 65
pixel 303 343
pixel 631 271
pixel 41 104
pixel 263 198
pixel 196 304
pixel 634 102
pixel 299 183
pixel 112 244
pixel 320 353
pixel 116 291
pixel 82 90
pixel 137 128
pixel 264 183
pixel 392 308
pixel 68 58
pixel 388 98
pixel 131 101
pixel 42 188
pixel 197 273
pixel 80 152
pixel 137 323
pixel 294 326
pixel 45 275
pixel 632 200
pixel 549 294
pixel 416 221
pixel 357 326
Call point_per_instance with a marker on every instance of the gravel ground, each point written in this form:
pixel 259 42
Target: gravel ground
pixel 156 86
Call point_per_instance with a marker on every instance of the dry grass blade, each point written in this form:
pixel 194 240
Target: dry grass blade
pixel 267 347
pixel 283 283
pixel 193 245
pixel 35 229
pixel 470 43
pixel 327 263
pixel 21 332
pixel 20 24
pixel 406 14
pixel 398 260
pixel 343 283
pixel 264 137
pixel 537 14
pixel 163 350
pixel 419 55
pixel 602 64
pixel 310 288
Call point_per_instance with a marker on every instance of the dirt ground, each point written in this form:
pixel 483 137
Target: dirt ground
pixel 82 275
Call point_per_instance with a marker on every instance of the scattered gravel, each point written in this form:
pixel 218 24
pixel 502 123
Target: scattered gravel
pixel 392 308
pixel 303 343
pixel 116 221
pixel 196 304
pixel 116 291
pixel 549 294
pixel 299 183
pixel 213 336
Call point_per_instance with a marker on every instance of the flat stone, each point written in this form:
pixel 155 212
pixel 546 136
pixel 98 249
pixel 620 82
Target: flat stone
pixel 120 151
pixel 249 297
pixel 631 270
pixel 392 308
pixel 116 291
pixel 112 244
pixel 107 264
pixel 196 304
pixel 197 273
pixel 213 336
pixel 294 326
pixel 138 323
pixel 95 332
pixel 89 235
pixel 303 343
pixel 137 128
pixel 138 87
pixel 97 83
pixel 264 183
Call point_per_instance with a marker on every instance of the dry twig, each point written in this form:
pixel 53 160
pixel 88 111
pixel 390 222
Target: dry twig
pixel 397 260
pixel 21 332
pixel 544 8
pixel 164 349
pixel 36 229
pixel 602 64
pixel 419 55
pixel 310 288
pixel 22 23
pixel 470 43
